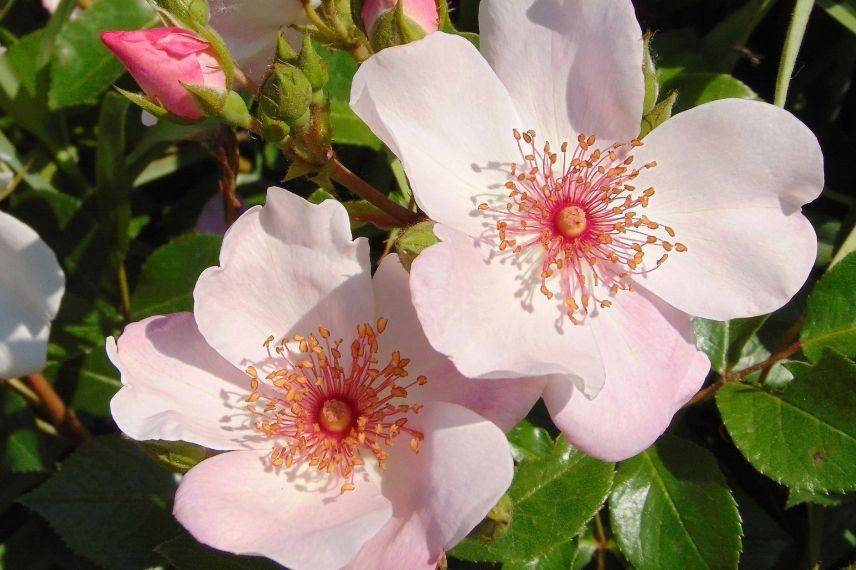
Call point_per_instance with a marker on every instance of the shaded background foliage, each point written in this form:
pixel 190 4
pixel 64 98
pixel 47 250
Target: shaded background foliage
pixel 722 489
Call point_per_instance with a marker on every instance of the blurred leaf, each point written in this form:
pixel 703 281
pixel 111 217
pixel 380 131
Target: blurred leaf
pixel 842 10
pixel 562 557
pixel 170 273
pixel 184 553
pixel 695 89
pixel 20 440
pixel 528 441
pixel 723 342
pixel 551 498
pixel 803 436
pixel 82 67
pixel 97 383
pixel 670 507
pixel 831 312
pixel 10 157
pixel 347 127
pixel 109 503
pixel 661 112
pixel 721 46
pixel 112 180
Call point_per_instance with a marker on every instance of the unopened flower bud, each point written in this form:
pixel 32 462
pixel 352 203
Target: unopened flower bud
pixel 395 22
pixel 163 61
pixel 285 97
pixel 284 52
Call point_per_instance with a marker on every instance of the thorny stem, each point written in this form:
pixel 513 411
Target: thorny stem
pixel 226 153
pixel 340 173
pixel 602 542
pixel 54 410
pixel 709 392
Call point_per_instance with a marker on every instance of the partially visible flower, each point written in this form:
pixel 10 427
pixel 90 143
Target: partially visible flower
pixel 569 248
pixel 163 60
pixel 31 289
pixel 52 5
pixel 251 29
pixel 422 13
pixel 311 374
pixel 212 219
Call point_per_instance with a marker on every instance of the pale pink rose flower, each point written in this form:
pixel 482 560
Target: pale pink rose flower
pixel 235 376
pixel 571 261
pixel 251 29
pixel 31 288
pixel 163 60
pixel 423 12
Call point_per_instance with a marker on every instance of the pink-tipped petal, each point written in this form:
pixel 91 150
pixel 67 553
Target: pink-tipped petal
pixel 438 495
pixel 285 270
pixel 454 148
pixel 731 177
pixel 571 66
pixel 177 388
pixel 475 307
pixel 652 370
pixel 502 401
pixel 236 502
pixel 31 288
pixel 422 12
pixel 251 28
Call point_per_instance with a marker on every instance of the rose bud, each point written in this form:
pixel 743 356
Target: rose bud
pixel 395 22
pixel 163 61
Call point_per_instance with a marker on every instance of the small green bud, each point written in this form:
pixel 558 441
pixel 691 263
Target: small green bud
pixel 284 52
pixel 312 65
pixel 394 27
pixel 286 94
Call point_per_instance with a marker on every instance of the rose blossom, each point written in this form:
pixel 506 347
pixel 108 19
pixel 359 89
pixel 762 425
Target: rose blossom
pixel 163 60
pixel 422 12
pixel 311 374
pixel 569 248
pixel 31 288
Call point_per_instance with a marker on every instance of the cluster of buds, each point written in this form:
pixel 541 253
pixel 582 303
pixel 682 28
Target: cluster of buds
pixel 184 69
pixel 293 108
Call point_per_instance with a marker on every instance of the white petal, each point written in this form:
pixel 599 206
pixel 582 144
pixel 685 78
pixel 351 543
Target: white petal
pixel 285 269
pixel 731 177
pixel 31 288
pixel 571 66
pixel 438 105
pixel 177 388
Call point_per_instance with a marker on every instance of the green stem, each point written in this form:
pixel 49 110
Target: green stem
pixel 793 41
pixel 124 291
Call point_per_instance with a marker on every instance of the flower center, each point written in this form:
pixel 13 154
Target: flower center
pixel 579 211
pixel 327 409
pixel 571 221
pixel 336 416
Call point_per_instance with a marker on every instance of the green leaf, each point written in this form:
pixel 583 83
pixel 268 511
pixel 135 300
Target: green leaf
pixel 109 503
pixel 803 436
pixel 82 67
pixel 347 127
pixel 831 312
pixel 661 112
pixel 695 89
pixel 764 541
pixel 413 241
pixel 842 10
pixel 562 557
pixel 97 383
pixel 184 553
pixel 170 273
pixel 670 507
pixel 112 180
pixel 177 456
pixel 802 496
pixel 528 440
pixel 20 440
pixel 550 500
pixel 723 342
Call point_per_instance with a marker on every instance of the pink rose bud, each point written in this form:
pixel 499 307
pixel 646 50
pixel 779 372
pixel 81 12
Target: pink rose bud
pixel 162 60
pixel 423 13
